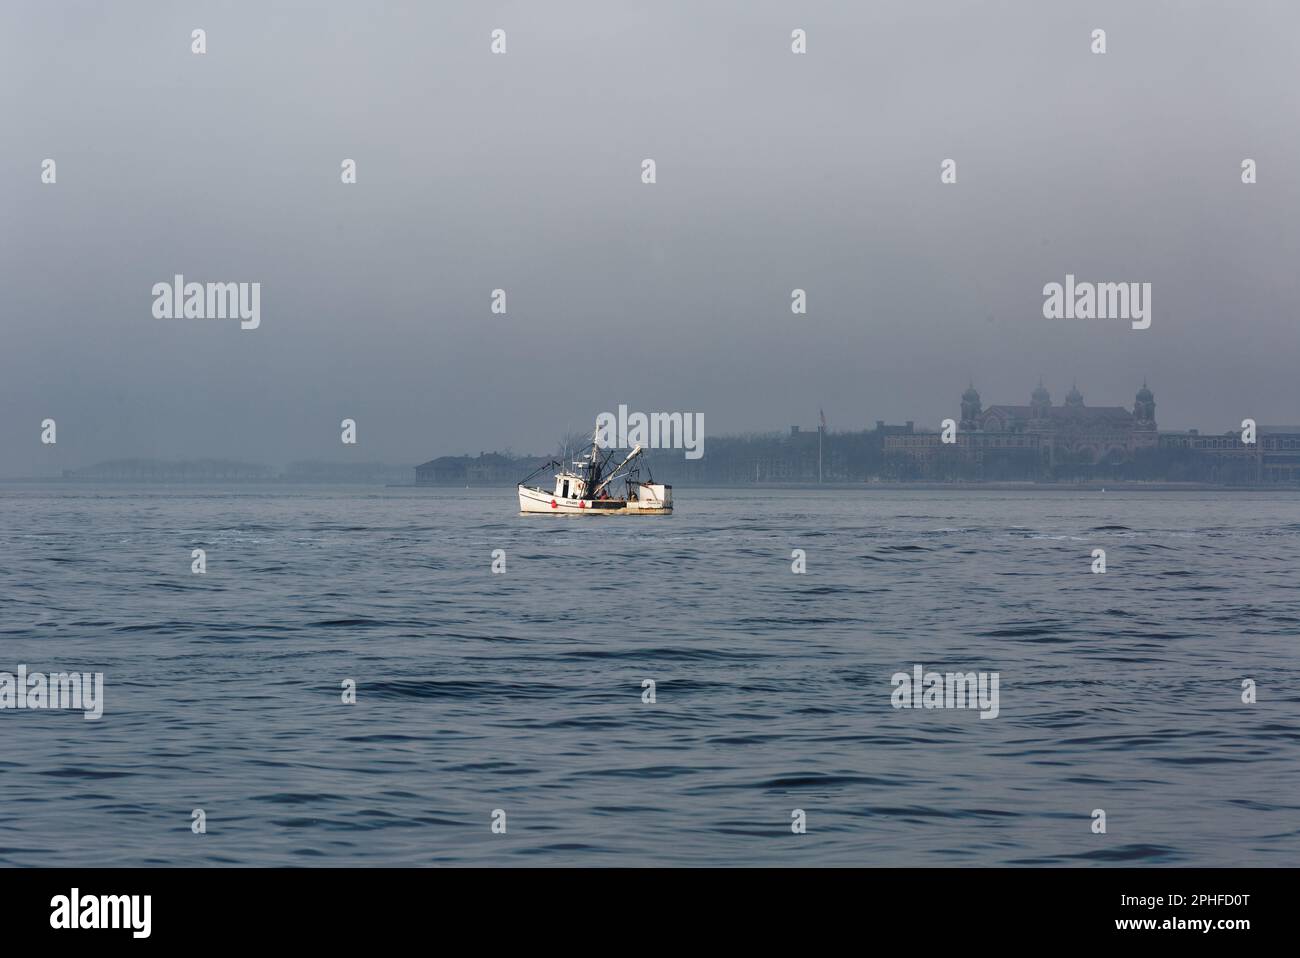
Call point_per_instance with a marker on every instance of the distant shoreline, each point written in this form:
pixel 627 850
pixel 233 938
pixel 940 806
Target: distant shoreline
pixel 911 486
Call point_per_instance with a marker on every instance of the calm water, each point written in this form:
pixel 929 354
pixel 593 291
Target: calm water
pixel 523 691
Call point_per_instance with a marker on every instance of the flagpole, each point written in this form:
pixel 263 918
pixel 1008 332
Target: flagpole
pixel 821 431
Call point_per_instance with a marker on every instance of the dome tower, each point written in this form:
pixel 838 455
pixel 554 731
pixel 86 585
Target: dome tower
pixel 1144 408
pixel 1041 401
pixel 970 409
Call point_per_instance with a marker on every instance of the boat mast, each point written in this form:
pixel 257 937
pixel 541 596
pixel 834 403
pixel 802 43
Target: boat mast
pixel 593 474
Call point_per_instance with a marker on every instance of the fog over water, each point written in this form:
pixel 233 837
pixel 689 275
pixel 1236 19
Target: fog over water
pixel 522 172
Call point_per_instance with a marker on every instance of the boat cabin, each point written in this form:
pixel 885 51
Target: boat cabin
pixel 572 485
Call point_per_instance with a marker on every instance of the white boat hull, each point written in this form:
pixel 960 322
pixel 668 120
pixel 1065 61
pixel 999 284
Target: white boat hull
pixel 653 500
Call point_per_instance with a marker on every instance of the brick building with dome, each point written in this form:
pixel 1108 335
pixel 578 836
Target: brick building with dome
pixel 1036 437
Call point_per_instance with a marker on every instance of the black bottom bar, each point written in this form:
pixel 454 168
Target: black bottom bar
pixel 331 907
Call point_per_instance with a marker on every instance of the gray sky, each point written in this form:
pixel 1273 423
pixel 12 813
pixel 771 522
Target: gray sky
pixel 522 171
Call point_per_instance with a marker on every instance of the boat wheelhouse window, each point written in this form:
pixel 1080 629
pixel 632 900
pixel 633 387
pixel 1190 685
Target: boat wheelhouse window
pixel 565 493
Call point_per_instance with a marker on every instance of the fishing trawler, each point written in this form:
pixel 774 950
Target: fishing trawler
pixel 585 487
